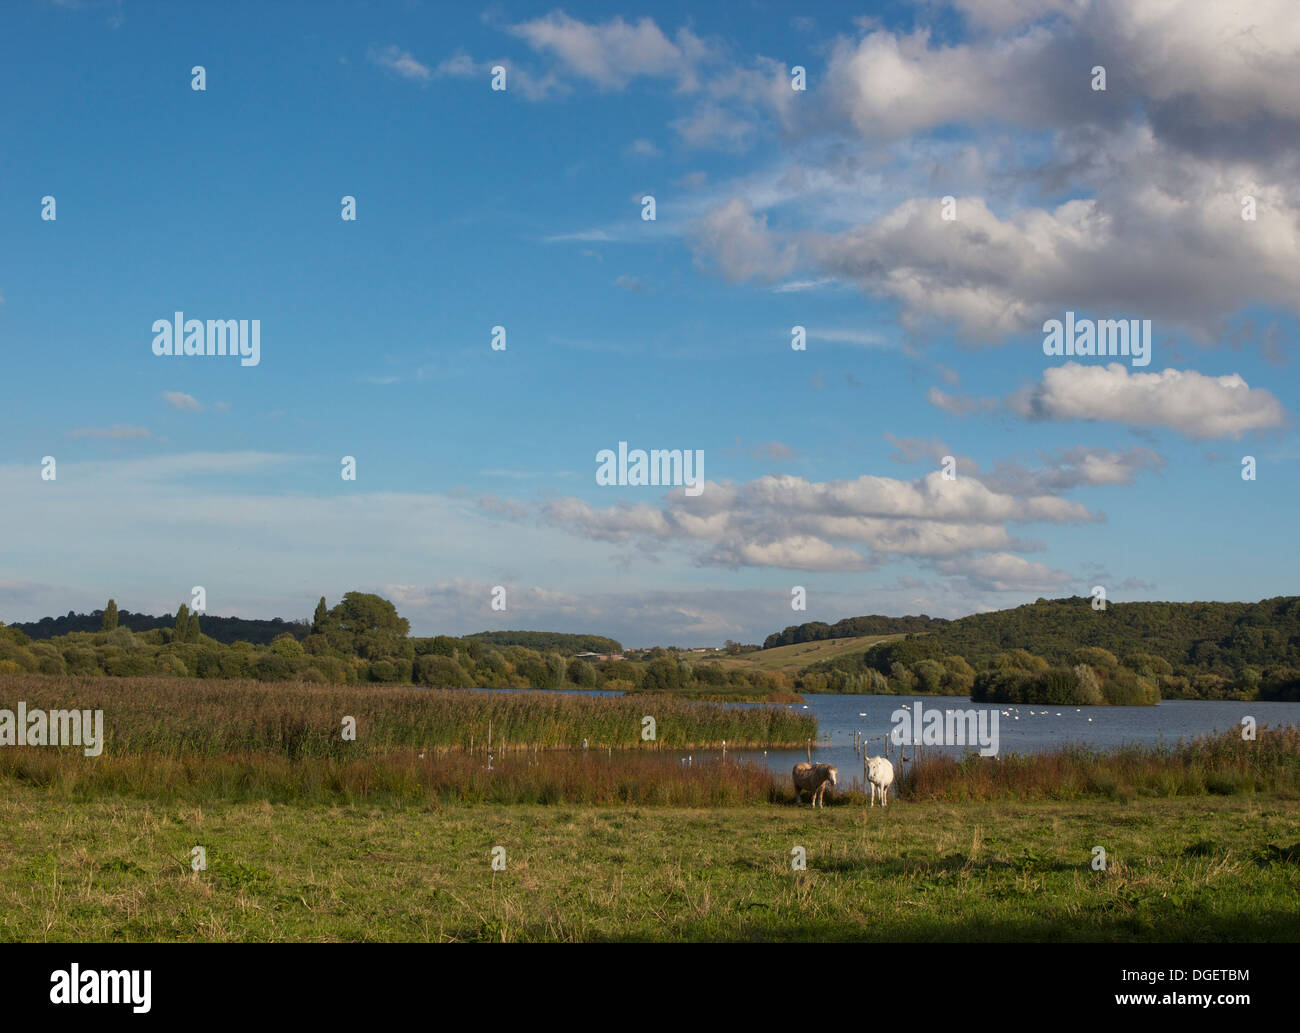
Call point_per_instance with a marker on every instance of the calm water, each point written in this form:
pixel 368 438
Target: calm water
pixel 1022 728
pixel 1045 728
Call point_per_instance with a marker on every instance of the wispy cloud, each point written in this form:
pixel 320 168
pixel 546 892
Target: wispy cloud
pixel 118 432
pixel 183 402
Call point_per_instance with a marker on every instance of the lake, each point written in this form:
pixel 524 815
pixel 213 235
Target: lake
pixel 1040 726
pixel 1022 728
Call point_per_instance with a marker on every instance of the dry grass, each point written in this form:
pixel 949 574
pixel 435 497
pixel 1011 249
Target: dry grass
pixel 1222 765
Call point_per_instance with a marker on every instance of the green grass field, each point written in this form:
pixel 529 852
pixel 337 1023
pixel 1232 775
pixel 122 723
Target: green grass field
pixel 118 868
pixel 792 659
pixel 390 836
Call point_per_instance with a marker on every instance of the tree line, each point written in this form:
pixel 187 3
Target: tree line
pixel 361 639
pixel 1064 651
pixel 852 627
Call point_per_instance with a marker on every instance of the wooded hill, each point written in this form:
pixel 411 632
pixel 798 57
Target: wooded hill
pixel 1201 650
pixel 852 627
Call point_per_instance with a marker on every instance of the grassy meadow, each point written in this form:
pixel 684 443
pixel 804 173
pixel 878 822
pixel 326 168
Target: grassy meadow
pixel 391 837
pixel 118 868
pixel 793 658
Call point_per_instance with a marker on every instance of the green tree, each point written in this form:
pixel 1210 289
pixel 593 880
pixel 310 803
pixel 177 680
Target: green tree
pixel 367 626
pixel 320 617
pixel 192 628
pixel 441 672
pixel 110 617
pixel 182 623
pixel 662 674
pixel 287 646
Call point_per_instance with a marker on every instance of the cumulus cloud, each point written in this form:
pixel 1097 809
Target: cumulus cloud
pixel 794 523
pixel 1189 402
pixel 1003 572
pixel 1177 252
pixel 1073 467
pixel 1122 203
pixel 1198 69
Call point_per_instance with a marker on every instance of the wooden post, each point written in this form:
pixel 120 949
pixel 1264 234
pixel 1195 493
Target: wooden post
pixel 489 745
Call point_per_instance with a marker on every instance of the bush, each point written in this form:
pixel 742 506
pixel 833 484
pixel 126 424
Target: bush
pixel 272 667
pixel 441 672
pixel 287 646
pixel 1089 693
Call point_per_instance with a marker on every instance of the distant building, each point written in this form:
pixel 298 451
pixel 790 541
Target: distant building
pixel 592 657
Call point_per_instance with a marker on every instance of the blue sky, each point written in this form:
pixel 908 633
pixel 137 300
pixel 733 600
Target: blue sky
pixel 521 208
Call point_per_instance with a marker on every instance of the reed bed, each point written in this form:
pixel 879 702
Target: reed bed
pixel 650 779
pixel 1221 765
pixel 294 719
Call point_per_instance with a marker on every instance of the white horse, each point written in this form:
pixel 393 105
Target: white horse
pixel 880 773
pixel 814 777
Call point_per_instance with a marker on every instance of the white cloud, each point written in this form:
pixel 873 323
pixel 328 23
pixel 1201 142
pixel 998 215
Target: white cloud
pixel 399 61
pixel 180 400
pixel 790 522
pixel 739 243
pixel 615 52
pixel 1183 400
pixel 1003 572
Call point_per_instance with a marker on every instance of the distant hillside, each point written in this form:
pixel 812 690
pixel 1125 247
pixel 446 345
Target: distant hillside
pixel 1135 650
pixel 852 627
pixel 1195 638
pixel 224 629
pixel 548 640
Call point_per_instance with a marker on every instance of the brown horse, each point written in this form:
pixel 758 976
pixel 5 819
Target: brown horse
pixel 814 777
